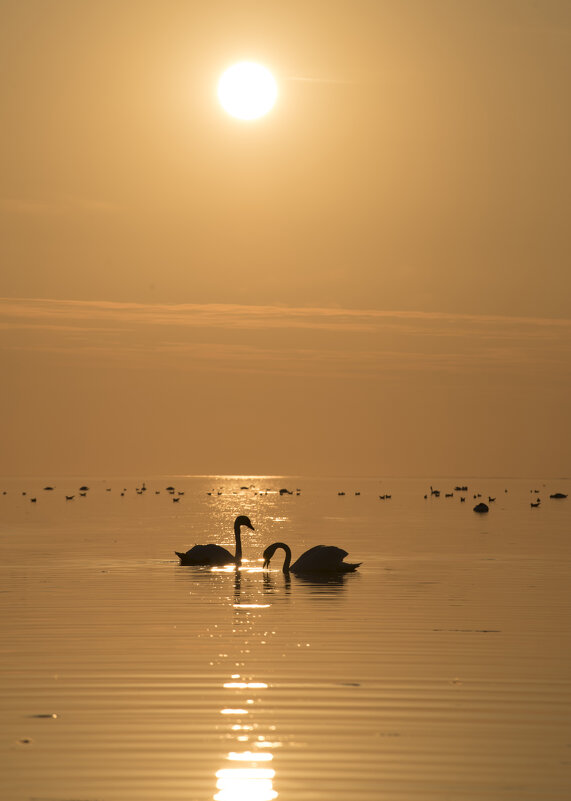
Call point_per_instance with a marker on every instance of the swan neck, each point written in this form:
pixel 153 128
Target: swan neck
pixel 287 560
pixel 238 541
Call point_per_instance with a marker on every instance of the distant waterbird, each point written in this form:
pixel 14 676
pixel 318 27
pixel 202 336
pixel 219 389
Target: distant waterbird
pixel 481 508
pixel 212 554
pixel 319 559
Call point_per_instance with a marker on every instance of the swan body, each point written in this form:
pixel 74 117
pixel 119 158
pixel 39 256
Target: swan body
pixel 319 559
pixel 212 554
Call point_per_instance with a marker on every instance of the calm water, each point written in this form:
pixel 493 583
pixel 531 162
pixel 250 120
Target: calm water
pixel 440 670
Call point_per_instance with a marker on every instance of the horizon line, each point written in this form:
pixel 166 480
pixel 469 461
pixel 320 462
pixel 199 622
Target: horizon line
pixel 274 307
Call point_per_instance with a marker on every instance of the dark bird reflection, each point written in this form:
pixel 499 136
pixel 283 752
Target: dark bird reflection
pixel 271 585
pixel 319 580
pixel 318 583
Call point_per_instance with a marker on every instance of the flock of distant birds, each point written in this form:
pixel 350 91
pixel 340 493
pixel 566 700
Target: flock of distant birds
pixel 322 559
pixel 482 507
pixel 177 494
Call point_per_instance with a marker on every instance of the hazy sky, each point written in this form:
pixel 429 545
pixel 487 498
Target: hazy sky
pixel 373 279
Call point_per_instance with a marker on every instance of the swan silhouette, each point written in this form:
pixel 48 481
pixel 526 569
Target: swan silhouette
pixel 319 559
pixel 215 554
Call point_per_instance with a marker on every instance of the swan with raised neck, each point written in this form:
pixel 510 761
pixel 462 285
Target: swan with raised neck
pixel 213 554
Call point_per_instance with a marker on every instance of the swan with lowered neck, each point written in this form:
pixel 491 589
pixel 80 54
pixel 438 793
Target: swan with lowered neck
pixel 319 559
pixel 215 554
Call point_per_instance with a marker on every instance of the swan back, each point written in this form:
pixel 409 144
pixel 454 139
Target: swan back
pixel 320 558
pixel 210 554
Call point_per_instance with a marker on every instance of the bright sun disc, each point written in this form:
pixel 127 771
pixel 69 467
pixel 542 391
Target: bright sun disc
pixel 247 90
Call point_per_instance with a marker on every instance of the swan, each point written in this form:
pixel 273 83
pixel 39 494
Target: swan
pixel 215 554
pixel 319 559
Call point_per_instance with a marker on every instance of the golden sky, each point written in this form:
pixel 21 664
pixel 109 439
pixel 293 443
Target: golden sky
pixel 374 278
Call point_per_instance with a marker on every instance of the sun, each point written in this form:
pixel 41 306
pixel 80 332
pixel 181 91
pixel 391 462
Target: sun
pixel 247 90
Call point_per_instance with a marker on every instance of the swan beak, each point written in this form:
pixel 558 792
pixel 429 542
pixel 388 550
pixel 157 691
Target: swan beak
pixel 266 564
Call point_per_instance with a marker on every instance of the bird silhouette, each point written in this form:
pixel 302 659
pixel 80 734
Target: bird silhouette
pixel 212 554
pixel 319 559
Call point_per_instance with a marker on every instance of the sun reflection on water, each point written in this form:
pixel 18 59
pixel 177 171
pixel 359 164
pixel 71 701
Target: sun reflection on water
pixel 253 780
pixel 248 775
pixel 233 711
pixel 245 784
pixel 249 756
pixel 245 685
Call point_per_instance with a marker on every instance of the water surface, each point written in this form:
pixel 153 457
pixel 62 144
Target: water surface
pixel 440 670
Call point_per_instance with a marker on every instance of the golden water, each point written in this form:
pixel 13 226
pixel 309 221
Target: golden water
pixel 439 671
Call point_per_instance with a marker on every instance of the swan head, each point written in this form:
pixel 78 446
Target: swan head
pixel 242 520
pixel 268 553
